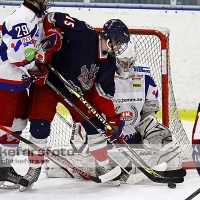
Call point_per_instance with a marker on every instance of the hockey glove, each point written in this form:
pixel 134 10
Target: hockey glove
pixel 53 39
pixel 52 42
pixel 117 126
pixel 39 77
pixel 196 156
pixel 154 135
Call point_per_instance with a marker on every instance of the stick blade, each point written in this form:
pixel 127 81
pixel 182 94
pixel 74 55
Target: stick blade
pixel 135 178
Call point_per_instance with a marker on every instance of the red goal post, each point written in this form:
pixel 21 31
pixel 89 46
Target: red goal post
pixel 153 50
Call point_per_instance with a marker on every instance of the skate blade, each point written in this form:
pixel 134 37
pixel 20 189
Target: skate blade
pixel 8 185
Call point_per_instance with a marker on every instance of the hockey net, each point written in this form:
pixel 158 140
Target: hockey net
pixel 153 50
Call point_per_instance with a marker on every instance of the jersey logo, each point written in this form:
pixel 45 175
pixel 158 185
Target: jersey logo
pixel 26 39
pixel 75 88
pixel 141 69
pixel 155 93
pixel 126 115
pixel 86 78
pixel 129 116
pixel 16 46
pixel 137 85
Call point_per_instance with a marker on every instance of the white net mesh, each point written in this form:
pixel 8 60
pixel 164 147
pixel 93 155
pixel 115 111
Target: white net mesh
pixel 153 50
pixel 61 129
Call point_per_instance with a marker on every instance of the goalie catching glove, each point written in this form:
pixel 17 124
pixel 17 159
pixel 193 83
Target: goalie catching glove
pixel 154 135
pixel 39 77
pixel 116 132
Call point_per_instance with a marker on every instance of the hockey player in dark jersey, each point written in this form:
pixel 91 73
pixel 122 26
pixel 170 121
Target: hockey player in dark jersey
pixel 86 59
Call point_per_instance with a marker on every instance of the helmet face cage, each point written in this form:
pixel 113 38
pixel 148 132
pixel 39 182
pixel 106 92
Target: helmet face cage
pixel 44 7
pixel 117 34
pixel 126 60
pixel 122 48
pixel 49 4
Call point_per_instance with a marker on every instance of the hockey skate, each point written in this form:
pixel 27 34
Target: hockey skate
pixel 100 170
pixel 27 181
pixel 7 173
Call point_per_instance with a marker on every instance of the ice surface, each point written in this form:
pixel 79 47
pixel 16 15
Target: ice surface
pixel 75 189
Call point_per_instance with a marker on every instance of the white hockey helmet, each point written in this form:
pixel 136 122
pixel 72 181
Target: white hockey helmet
pixel 126 60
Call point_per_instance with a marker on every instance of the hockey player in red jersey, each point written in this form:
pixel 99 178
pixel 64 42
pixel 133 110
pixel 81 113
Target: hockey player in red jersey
pixel 21 37
pixel 87 60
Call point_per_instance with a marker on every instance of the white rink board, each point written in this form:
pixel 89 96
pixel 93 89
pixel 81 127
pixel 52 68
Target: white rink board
pixel 184 41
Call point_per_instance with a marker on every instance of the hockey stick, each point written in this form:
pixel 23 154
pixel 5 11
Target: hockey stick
pixel 194 194
pixel 147 170
pixel 80 150
pixel 127 177
pixel 135 178
pixel 153 175
pixel 64 162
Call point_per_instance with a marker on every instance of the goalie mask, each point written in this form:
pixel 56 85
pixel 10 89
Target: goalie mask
pixel 117 35
pixel 126 60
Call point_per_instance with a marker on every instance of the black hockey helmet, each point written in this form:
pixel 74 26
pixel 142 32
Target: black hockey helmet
pixel 116 31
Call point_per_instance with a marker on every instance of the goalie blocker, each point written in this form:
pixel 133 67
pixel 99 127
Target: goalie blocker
pixel 78 154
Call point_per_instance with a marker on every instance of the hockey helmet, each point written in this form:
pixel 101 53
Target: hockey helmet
pixel 126 60
pixel 115 31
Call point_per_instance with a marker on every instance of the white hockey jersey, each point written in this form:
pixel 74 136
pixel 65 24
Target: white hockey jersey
pixel 130 95
pixel 22 32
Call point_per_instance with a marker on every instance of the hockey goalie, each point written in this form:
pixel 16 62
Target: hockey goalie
pixel 136 100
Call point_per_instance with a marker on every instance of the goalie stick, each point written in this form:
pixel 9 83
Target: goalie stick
pixel 126 176
pixel 194 194
pixel 65 163
pixel 129 178
pixel 153 175
pixel 135 178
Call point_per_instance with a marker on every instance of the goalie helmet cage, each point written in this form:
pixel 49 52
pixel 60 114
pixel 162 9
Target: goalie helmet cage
pixel 153 50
